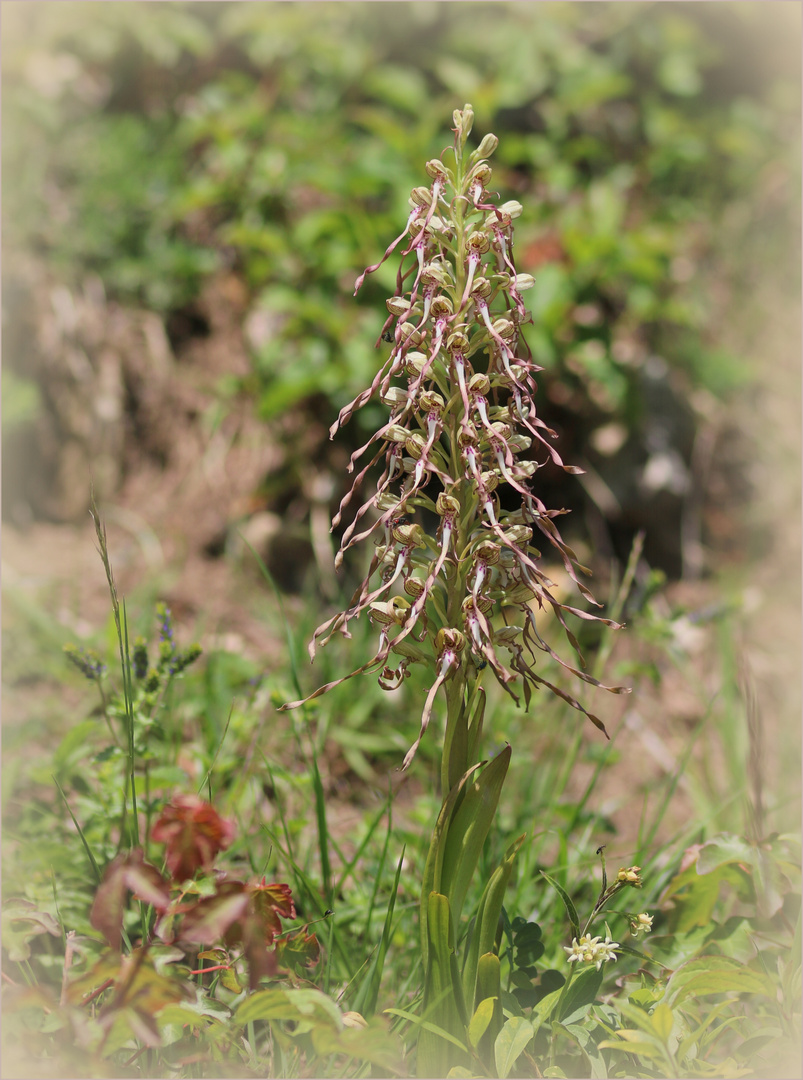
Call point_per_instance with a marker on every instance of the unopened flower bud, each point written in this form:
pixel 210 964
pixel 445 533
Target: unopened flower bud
pixel 447 505
pixel 388 501
pixel 485 149
pixel 524 281
pixel 517 443
pixel 508 635
pixel 517 517
pixel 630 876
pixel 500 429
pixel 518 594
pixel 409 650
pixel 463 121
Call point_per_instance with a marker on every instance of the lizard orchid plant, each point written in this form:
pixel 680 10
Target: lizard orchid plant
pixel 462 598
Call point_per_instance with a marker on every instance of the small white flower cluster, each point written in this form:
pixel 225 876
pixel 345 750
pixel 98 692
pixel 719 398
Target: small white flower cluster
pixel 592 950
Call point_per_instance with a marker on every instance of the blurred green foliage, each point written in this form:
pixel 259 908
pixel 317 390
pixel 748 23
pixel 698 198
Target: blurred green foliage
pixel 654 147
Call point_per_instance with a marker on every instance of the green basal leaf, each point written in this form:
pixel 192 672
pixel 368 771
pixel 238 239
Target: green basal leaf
pixel 469 828
pixel 443 994
pixel 487 921
pixel 434 865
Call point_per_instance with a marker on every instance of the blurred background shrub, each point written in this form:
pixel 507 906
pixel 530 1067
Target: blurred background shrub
pixel 158 148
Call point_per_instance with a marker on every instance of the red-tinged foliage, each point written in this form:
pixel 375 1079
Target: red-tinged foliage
pixel 299 951
pixel 126 873
pixel 208 921
pixel 272 902
pixel 242 915
pixel 138 993
pixel 193 833
pixel 245 915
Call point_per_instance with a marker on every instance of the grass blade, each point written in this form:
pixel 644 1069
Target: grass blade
pixel 571 911
pixel 87 848
pixel 368 994
pixel 291 643
pixel 208 778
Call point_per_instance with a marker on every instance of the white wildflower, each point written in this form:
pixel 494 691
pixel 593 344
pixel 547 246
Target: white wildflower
pixel 591 950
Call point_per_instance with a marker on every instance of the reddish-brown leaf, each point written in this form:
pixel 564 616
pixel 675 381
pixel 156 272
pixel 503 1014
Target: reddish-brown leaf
pixel 126 873
pixel 193 833
pixel 217 918
pixel 270 902
pixel 245 916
